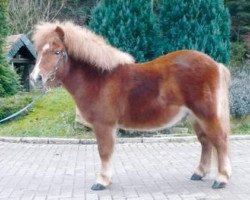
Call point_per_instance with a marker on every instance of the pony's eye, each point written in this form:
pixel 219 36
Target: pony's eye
pixel 57 52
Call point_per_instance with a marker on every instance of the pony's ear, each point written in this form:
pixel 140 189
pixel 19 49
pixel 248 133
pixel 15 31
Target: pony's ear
pixel 60 32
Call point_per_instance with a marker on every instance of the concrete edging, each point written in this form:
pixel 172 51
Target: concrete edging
pixel 37 140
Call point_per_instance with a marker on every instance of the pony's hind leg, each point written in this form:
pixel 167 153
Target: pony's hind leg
pixel 218 135
pixel 106 141
pixel 206 152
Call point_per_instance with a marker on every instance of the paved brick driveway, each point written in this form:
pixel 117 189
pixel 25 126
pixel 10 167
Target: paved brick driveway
pixel 142 171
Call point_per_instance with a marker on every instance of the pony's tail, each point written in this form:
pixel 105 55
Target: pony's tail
pixel 223 97
pixel 226 74
pixel 223 110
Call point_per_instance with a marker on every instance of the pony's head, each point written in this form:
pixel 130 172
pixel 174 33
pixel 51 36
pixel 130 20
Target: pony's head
pixel 54 41
pixel 52 57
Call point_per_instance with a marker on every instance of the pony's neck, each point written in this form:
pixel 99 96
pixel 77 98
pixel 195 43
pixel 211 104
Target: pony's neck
pixel 77 75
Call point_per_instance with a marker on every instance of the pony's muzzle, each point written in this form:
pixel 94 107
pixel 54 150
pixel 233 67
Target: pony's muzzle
pixel 36 82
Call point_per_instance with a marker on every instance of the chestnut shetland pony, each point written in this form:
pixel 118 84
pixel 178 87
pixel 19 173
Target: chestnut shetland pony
pixel 112 91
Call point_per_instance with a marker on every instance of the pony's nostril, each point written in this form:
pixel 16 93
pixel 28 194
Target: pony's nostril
pixel 39 78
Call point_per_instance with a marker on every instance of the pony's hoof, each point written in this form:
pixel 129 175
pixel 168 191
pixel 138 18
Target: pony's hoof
pixel 218 185
pixel 196 177
pixel 98 186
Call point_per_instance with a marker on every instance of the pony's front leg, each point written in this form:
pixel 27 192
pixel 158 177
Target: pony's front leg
pixel 105 136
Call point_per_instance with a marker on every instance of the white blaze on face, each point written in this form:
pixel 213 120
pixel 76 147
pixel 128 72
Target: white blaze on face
pixel 36 71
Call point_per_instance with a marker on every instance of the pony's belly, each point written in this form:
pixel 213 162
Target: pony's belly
pixel 167 119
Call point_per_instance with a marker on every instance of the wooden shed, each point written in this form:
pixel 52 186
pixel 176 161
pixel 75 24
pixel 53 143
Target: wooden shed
pixel 21 55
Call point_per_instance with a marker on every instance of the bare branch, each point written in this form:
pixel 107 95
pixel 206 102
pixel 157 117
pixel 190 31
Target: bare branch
pixel 24 14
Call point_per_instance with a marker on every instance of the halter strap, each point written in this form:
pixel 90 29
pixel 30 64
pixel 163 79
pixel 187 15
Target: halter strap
pixel 52 74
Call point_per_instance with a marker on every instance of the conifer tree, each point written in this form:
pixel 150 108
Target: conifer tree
pixel 195 24
pixel 8 78
pixel 128 25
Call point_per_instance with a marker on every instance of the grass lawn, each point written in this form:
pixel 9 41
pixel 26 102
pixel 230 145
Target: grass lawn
pixel 53 116
pixel 241 125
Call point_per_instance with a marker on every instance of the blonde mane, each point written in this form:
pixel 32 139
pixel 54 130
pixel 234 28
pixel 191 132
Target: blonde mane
pixel 83 44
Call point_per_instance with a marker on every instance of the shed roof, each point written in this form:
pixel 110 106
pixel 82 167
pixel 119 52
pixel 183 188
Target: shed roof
pixel 15 42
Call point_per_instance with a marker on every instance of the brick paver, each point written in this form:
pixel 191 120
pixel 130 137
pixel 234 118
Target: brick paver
pixel 142 171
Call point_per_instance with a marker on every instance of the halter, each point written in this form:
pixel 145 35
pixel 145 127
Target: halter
pixel 52 74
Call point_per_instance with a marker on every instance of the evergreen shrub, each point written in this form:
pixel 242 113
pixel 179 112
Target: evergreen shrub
pixel 195 24
pixel 128 25
pixel 9 83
